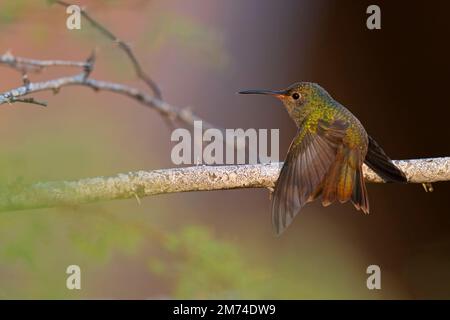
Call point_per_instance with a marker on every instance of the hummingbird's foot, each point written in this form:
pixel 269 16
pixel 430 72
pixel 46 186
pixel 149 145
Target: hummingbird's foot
pixel 137 198
pixel 271 191
pixel 428 187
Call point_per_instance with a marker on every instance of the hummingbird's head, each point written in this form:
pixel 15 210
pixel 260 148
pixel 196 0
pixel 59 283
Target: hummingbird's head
pixel 295 96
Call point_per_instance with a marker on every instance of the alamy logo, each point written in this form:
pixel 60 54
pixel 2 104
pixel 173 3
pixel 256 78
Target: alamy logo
pixel 374 280
pixel 374 20
pixel 74 19
pixel 224 147
pixel 74 279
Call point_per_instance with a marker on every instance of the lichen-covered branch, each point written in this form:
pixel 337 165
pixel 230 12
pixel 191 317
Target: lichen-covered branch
pixel 200 178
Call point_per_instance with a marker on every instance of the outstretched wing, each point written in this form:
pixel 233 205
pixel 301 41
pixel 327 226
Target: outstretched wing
pixel 308 160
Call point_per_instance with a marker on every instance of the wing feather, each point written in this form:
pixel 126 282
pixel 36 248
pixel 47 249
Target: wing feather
pixel 309 159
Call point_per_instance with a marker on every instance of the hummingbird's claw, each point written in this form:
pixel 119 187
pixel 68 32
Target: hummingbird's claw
pixel 271 191
pixel 428 187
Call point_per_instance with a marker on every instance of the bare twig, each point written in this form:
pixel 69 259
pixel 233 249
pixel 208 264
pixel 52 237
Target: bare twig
pixel 170 112
pixel 124 46
pixel 28 100
pixel 201 178
pixel 173 112
pixel 25 64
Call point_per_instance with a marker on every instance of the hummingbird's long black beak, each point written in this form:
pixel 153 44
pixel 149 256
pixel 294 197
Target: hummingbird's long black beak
pixel 278 94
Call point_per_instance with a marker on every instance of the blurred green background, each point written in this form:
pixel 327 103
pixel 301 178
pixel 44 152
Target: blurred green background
pixel 220 244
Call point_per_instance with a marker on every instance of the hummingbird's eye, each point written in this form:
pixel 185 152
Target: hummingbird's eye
pixel 295 96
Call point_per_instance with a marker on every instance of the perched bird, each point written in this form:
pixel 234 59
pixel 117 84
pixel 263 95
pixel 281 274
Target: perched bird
pixel 326 156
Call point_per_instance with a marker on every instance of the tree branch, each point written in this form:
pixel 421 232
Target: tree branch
pixel 25 64
pixel 124 46
pixel 201 178
pixel 28 100
pixel 173 112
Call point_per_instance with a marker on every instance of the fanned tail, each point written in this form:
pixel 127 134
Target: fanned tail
pixel 359 196
pixel 345 181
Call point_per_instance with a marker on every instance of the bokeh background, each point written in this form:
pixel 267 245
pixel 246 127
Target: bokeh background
pixel 220 244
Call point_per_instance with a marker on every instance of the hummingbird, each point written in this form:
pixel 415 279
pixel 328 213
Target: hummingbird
pixel 325 157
